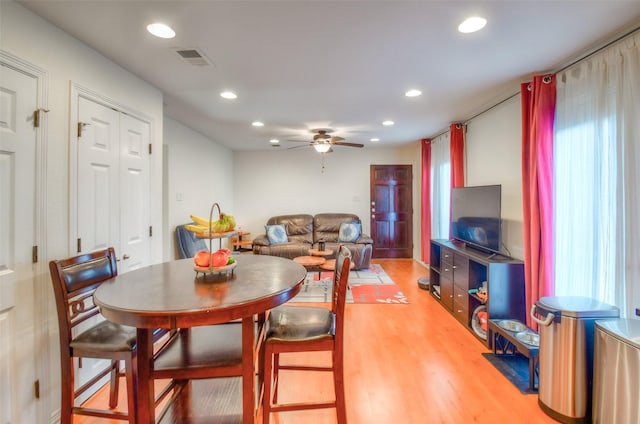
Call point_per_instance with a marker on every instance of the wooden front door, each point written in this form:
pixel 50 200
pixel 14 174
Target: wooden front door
pixel 391 211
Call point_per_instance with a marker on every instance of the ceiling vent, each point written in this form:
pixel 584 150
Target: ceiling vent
pixel 193 57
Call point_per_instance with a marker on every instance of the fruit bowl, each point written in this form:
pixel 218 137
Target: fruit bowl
pixel 214 269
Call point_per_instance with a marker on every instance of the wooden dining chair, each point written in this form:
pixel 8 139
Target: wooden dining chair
pixel 74 281
pixel 307 329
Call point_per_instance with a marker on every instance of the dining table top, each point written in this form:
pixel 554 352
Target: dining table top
pixel 173 295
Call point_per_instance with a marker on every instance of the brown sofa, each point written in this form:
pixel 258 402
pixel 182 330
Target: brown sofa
pixel 304 232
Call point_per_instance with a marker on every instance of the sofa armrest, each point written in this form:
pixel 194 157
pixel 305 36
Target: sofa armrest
pixel 261 240
pixel 364 239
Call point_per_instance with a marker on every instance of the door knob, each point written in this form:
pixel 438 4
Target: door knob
pixel 125 257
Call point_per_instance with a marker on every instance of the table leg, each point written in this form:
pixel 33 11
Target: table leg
pixel 144 384
pixel 248 373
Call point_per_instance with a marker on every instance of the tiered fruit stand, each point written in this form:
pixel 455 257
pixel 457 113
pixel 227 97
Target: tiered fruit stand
pixel 210 270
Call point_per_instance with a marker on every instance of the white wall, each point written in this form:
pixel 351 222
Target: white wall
pixel 198 173
pixel 281 182
pixel 493 156
pixel 32 39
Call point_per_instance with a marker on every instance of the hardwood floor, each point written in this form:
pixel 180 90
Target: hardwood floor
pixel 404 364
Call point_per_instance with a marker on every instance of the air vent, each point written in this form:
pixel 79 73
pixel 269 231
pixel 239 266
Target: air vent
pixel 193 57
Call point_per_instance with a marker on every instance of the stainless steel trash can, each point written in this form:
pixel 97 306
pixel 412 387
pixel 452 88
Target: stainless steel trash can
pixel 616 367
pixel 565 366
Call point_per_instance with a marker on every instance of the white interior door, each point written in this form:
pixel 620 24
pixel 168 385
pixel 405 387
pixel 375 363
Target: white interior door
pixel 18 101
pixel 135 243
pixel 98 179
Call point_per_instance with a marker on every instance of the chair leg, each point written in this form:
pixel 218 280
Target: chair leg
pixel 338 383
pixel 68 391
pixel 276 370
pixel 114 386
pixel 131 379
pixel 267 383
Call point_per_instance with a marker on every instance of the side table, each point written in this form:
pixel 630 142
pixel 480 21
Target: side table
pixel 311 263
pixel 239 244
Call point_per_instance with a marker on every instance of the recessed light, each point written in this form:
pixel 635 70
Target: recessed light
pixel 274 141
pixel 413 93
pixel 257 124
pixel 472 24
pixel 375 139
pixel 228 95
pixel 388 123
pixel 161 30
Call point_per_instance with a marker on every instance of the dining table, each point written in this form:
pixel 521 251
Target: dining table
pixel 172 295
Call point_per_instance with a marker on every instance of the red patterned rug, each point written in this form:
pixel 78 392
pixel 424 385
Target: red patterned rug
pixel 371 285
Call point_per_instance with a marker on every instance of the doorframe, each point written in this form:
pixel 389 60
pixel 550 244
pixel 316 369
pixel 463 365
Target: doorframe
pixel 41 303
pixel 75 92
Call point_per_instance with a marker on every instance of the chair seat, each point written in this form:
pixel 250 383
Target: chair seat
pixel 293 323
pixel 202 352
pixel 106 337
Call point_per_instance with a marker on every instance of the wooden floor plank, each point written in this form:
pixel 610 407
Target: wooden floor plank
pixel 404 364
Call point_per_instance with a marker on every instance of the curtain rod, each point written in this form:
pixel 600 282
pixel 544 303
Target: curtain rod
pixel 564 67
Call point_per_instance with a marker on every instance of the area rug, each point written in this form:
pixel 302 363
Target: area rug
pixel 515 368
pixel 371 285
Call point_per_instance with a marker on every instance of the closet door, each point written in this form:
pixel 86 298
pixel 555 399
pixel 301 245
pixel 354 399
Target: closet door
pixel 135 232
pixel 98 177
pixel 113 184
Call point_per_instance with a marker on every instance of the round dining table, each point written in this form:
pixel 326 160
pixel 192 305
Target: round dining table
pixel 172 295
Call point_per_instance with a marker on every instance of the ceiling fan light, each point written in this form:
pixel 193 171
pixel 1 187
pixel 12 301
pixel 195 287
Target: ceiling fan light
pixel 322 147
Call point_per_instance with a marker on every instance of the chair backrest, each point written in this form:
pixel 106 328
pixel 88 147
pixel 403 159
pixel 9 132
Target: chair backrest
pixel 74 281
pixel 340 281
pixel 187 243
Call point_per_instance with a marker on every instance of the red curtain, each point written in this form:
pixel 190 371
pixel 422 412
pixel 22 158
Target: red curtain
pixel 426 200
pixel 538 110
pixel 456 156
pixel 456 148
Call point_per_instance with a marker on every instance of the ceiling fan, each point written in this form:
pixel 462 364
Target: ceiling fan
pixel 323 142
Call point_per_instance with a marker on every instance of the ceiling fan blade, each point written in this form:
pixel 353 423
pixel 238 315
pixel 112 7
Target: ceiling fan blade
pixel 340 143
pixel 294 147
pixel 336 138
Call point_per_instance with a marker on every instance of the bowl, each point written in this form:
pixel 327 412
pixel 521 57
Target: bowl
pixel 529 337
pixel 512 325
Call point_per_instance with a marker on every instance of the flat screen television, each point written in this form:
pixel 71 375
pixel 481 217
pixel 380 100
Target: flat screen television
pixel 475 216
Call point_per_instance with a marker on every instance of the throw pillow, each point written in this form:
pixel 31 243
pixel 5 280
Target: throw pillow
pixel 277 234
pixel 349 232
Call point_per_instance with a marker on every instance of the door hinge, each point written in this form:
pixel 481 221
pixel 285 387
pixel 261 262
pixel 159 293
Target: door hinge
pixel 81 126
pixel 36 117
pixel 150 148
pixel 34 254
pixel 36 389
pixel 150 231
pixel 79 247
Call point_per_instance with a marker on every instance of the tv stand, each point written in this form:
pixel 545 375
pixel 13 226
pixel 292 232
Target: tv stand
pixel 456 268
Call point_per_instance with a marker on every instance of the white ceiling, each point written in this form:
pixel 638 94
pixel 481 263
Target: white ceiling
pixel 297 65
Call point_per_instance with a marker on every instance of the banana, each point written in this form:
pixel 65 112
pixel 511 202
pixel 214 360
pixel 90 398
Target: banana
pixel 200 221
pixel 225 223
pixel 198 229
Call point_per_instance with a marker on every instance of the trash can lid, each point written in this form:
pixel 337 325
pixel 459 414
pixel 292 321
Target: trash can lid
pixel 627 330
pixel 579 307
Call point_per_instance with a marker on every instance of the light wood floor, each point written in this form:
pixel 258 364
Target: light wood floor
pixel 405 364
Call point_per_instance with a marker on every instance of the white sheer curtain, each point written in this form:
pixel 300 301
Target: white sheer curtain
pixel 440 186
pixel 597 180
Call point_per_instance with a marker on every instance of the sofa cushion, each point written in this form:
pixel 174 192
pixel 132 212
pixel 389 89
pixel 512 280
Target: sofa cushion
pixel 299 227
pixel 277 234
pixel 326 226
pixel 349 232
